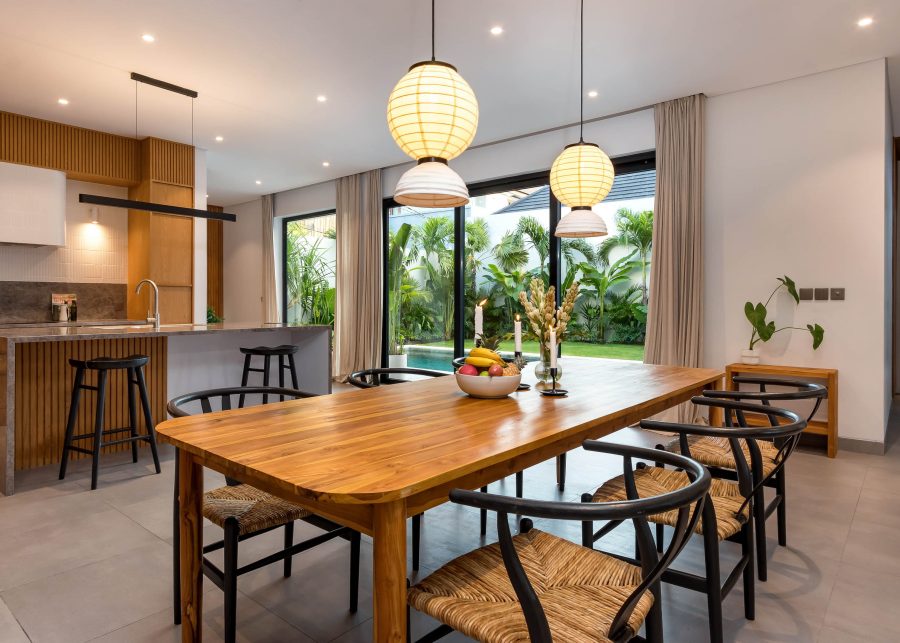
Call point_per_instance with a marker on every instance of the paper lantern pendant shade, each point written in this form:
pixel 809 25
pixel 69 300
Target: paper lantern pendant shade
pixel 582 175
pixel 432 112
pixel 431 185
pixel 581 223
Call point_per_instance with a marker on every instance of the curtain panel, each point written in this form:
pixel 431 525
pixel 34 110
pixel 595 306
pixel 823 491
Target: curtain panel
pixel 675 310
pixel 358 306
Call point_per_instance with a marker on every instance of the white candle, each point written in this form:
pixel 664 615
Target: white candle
pixel 517 327
pixel 479 320
pixel 552 348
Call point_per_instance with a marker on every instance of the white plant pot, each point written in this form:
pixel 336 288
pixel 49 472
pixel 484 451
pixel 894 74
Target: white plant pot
pixel 750 356
pixel 397 361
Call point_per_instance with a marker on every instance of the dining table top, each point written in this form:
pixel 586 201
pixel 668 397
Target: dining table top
pixel 391 442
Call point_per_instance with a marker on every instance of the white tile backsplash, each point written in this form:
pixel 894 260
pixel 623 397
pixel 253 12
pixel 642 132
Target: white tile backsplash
pixel 94 253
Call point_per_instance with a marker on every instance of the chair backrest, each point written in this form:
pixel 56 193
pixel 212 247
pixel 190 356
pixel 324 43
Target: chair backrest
pixel 220 399
pixel 687 501
pixel 372 377
pixel 797 390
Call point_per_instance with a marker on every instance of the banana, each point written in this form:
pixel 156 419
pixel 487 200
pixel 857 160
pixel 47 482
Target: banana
pixel 480 362
pixel 487 353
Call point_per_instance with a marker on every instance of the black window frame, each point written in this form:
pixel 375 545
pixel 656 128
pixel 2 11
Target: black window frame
pixel 284 242
pixel 625 164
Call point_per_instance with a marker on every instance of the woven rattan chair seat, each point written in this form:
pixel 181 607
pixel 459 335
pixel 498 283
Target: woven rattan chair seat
pixel 580 589
pixel 252 508
pixel 654 481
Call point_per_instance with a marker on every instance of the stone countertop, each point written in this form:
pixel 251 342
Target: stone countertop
pixel 71 332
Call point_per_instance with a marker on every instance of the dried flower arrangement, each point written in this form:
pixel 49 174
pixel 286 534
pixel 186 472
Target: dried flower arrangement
pixel 541 312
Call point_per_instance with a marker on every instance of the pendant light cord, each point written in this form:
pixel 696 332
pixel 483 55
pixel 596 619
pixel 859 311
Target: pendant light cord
pixel 581 118
pixel 432 30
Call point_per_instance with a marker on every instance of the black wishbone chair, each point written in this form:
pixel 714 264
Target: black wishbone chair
pixel 767 459
pixel 243 511
pixel 538 586
pixel 373 377
pixel 727 512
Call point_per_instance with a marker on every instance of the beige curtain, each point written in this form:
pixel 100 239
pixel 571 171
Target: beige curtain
pixel 269 296
pixel 675 315
pixel 358 309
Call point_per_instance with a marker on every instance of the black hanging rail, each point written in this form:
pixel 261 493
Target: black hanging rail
pixel 147 80
pixel 94 199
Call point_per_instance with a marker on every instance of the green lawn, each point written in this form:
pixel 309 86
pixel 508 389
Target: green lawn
pixel 578 349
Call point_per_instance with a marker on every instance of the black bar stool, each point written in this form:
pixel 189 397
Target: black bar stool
pixel 284 353
pixel 134 364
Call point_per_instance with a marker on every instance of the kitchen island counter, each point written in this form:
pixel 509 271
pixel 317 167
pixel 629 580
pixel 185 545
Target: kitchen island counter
pixel 36 378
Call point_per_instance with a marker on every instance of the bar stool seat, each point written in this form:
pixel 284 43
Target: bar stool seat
pixel 285 354
pixel 134 365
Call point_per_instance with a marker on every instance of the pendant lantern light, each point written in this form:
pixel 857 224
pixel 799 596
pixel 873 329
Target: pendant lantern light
pixel 432 114
pixel 581 176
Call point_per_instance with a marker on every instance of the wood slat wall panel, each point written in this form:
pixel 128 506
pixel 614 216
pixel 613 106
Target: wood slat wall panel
pixel 83 154
pixel 44 382
pixel 168 162
pixel 215 259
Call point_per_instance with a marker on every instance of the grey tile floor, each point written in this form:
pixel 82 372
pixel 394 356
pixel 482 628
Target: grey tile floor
pixel 77 565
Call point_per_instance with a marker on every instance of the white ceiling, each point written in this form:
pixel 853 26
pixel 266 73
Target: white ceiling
pixel 259 66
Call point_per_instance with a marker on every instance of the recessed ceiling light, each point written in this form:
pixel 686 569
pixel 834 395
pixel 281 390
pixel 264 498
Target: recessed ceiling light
pixel 148 37
pixel 207 196
pixel 864 22
pixel 259 183
pixel 321 98
pixel 497 30
pixel 63 101
pixel 219 139
pixel 326 164
pixel 592 93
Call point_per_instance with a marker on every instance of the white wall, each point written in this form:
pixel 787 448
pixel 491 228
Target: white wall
pixel 795 184
pixel 242 272
pixel 92 254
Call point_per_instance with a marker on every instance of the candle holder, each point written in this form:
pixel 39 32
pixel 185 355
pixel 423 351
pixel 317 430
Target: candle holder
pixel 520 362
pixel 554 392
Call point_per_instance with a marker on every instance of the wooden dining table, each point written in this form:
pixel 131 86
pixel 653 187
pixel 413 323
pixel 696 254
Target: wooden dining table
pixel 369 459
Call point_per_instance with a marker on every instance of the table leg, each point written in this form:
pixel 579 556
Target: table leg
pixel 389 582
pixel 716 417
pixel 190 494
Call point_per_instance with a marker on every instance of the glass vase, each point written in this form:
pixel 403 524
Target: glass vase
pixel 542 369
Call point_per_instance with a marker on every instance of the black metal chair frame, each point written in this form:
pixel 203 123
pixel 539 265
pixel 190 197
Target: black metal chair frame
pixel 710 583
pixel 776 478
pixel 134 365
pixel 687 500
pixel 226 579
pixel 285 351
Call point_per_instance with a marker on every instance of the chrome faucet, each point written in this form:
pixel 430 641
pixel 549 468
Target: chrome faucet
pixel 155 318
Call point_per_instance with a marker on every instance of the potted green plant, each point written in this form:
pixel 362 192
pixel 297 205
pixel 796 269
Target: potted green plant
pixel 763 330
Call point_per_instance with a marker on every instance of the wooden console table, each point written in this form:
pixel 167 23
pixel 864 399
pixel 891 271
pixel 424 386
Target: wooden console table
pixel 828 427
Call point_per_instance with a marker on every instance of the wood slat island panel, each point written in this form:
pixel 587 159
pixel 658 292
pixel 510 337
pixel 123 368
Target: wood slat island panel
pixel 44 381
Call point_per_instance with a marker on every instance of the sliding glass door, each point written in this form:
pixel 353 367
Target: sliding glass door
pixel 439 264
pixel 309 268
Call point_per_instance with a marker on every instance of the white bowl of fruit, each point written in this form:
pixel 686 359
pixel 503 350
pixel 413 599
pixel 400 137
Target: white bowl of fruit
pixel 486 375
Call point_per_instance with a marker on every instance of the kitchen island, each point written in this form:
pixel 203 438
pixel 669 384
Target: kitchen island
pixel 37 379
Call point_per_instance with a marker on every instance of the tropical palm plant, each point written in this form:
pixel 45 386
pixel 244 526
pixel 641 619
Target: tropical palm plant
pixel 596 286
pixel 635 231
pixel 309 274
pixel 433 249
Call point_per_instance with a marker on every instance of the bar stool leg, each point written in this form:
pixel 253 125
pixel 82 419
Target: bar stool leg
pixel 132 412
pixel 244 378
pixel 293 367
pixel 148 418
pixel 281 376
pixel 73 418
pixel 267 362
pixel 98 426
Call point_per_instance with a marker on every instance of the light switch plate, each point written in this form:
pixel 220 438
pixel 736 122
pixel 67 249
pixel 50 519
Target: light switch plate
pixel 806 294
pixel 821 294
pixel 837 294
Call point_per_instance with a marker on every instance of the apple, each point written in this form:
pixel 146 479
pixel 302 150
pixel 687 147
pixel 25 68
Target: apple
pixel 467 369
pixel 495 370
pixel 483 374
